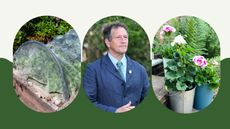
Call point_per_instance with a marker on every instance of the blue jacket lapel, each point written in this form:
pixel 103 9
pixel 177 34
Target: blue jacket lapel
pixel 129 70
pixel 110 67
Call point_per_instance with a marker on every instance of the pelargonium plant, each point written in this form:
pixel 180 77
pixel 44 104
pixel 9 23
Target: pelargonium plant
pixel 166 32
pixel 180 69
pixel 200 61
pixel 206 73
pixel 162 45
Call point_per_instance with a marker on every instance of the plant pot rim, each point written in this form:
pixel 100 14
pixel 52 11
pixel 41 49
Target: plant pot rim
pixel 181 90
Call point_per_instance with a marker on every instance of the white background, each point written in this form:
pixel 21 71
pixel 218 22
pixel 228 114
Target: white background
pixel 82 14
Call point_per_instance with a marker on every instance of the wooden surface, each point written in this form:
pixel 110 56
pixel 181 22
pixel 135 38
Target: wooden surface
pixel 26 94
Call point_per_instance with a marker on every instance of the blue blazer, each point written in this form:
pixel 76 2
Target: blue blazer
pixel 107 90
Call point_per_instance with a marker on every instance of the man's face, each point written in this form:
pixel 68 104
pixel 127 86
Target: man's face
pixel 119 41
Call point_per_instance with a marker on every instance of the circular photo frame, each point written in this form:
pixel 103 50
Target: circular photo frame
pixel 116 64
pixel 186 64
pixel 46 64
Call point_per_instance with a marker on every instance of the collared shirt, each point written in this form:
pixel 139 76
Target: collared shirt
pixel 123 60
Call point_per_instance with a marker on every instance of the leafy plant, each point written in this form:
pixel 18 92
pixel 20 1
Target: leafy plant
pixel 207 75
pixel 200 36
pixel 212 44
pixel 42 29
pixel 162 42
pixel 180 70
pixel 197 33
pixel 194 35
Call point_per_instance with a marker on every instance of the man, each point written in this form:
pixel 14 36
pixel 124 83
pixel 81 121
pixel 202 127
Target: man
pixel 116 83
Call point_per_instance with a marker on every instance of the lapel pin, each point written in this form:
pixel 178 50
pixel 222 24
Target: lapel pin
pixel 130 71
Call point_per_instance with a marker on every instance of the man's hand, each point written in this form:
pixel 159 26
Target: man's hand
pixel 125 108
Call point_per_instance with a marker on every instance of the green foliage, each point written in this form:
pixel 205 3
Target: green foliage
pixel 55 66
pixel 216 64
pixel 139 47
pixel 197 33
pixel 208 75
pixel 42 29
pixel 212 44
pixel 67 49
pixel 162 42
pixel 200 36
pixel 180 70
pixel 165 50
pixel 29 61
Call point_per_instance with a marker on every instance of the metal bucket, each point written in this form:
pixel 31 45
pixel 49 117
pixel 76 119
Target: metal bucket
pixel 182 101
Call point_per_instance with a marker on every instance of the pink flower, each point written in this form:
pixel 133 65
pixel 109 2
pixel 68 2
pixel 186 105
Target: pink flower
pixel 200 61
pixel 168 29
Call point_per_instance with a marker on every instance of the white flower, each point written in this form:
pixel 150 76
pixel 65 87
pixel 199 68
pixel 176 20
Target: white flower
pixel 178 40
